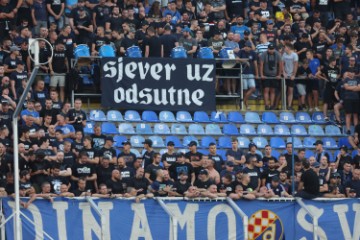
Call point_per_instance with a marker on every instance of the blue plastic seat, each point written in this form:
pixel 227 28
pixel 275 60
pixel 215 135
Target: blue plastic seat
pixel 235 117
pixel 332 130
pixel 203 151
pixel 298 130
pixel 252 117
pixel 132 116
pixel 178 129
pixel 275 153
pixel 297 142
pixel 108 128
pixel 218 117
pixel 126 128
pixel 158 142
pixel 136 152
pixel 89 127
pixel 264 129
pixel 206 140
pixel 137 141
pixel 183 116
pixel 353 154
pixel 175 139
pixel 196 129
pixel 188 139
pixel 260 142
pixel 309 142
pixel 114 116
pixel 287 118
pixel 345 141
pixel 316 130
pixel 143 128
pixel 269 117
pixel 281 130
pixel 149 116
pixel 329 143
pixel 224 142
pixel 303 117
pixel 161 128
pixel 230 129
pixel 166 116
pixel 222 153
pixel 118 140
pixel 247 129
pixel 277 142
pixel 213 129
pixel 309 153
pixel 97 115
pixel 318 118
pixel 201 117
pixel 243 142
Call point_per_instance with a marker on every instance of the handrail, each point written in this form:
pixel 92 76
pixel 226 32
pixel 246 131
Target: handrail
pixel 98 211
pixel 171 215
pixel 314 218
pixel 243 216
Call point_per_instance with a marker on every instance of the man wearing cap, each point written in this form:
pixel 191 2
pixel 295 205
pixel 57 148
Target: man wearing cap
pixel 10 63
pixel 270 72
pixel 194 157
pixel 216 42
pixel 335 190
pixel 275 188
pixel 108 150
pixel 181 166
pixel 250 71
pixel 342 157
pixel 319 150
pixel 148 155
pixel 188 42
pixel 169 157
pixel 229 169
pixel 127 155
pixel 203 181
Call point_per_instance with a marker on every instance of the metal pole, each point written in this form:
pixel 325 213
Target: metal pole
pixel 314 218
pixel 172 217
pixel 2 220
pixel 283 94
pixel 293 165
pixel 241 88
pixel 98 211
pixel 243 216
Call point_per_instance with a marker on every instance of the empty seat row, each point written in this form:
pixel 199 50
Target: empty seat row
pixel 203 117
pixel 215 129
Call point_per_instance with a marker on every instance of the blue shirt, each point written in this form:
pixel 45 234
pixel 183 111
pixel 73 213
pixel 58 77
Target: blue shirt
pixel 175 16
pixel 239 30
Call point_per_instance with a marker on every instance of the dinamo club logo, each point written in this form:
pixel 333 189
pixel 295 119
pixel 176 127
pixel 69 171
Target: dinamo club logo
pixel 265 225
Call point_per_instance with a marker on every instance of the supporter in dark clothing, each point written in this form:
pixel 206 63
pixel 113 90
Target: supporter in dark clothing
pixel 309 186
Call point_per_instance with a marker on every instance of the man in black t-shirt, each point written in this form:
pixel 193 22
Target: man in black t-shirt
pixel 168 41
pixel 77 117
pixel 203 181
pixel 115 183
pixel 56 9
pixel 127 155
pixel 309 187
pixel 194 157
pixel 98 139
pixel 139 182
pixel 269 172
pixel 181 166
pixel 148 155
pixel 151 169
pixel 58 68
pixel 85 170
pixel 169 157
pixel 151 44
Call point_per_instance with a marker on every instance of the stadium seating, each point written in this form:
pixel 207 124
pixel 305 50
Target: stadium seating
pixel 230 129
pixel 188 139
pixel 318 118
pixel 309 153
pixel 175 139
pixel 109 128
pixel 264 129
pixel 329 143
pixel 269 117
pixel 213 129
pixel 196 129
pixel 149 116
pixel 161 129
pixel 252 117
pixel 97 116
pixel 218 117
pixel 157 141
pixel 143 128
pixel 183 116
pixel 303 118
pixel 298 130
pixel 126 128
pixel 332 130
pixel 89 127
pixel 206 140
pixel 277 142
pixel 297 143
pixel 235 117
pixel 224 142
pixel 316 130
pixel 114 116
pixel 118 140
pixel 137 141
pixel 260 142
pixel 243 142
pixel 281 130
pixel 287 118
pixel 344 141
pixel 309 142
pixel 166 116
pixel 247 129
pixel 201 117
pixel 178 128
pixel 132 116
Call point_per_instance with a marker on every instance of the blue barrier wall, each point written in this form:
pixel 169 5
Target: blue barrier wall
pixel 124 219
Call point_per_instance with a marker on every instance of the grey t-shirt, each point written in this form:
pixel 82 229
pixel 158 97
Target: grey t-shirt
pixel 351 95
pixel 271 63
pixel 188 44
pixel 289 60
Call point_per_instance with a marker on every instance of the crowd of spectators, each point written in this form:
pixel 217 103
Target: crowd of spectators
pixel 313 44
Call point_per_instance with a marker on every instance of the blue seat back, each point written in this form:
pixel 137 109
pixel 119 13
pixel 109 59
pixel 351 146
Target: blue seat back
pixel 126 128
pixel 332 130
pixel 132 115
pixel 196 129
pixel 118 140
pixel 230 129
pixel 201 116
pixel 174 139
pixel 345 141
pixel 149 116
pixel 269 117
pixel 183 116
pixel 178 128
pixel 243 142
pixel 316 130
pixel 218 117
pixel 161 128
pixel 281 130
pixel 303 117
pixel 309 153
pixel 109 128
pixel 309 142
pixel 297 142
pixel 166 116
pixel 143 128
pixel 287 117
pixel 329 143
pixel 235 117
pixel 157 141
pixel 247 129
pixel 318 117
pixel 206 140
pixel 224 142
pixel 264 129
pixel 114 116
pixel 277 142
pixel 188 139
pixel 89 127
pixel 298 130
pixel 97 115
pixel 252 117
pixel 260 142
pixel 137 141
pixel 213 129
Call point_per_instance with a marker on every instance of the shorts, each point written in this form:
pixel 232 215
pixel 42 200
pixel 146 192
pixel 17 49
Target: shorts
pixel 301 88
pixel 248 81
pixel 313 85
pixel 351 106
pixel 290 83
pixel 270 83
pixel 329 95
pixel 57 80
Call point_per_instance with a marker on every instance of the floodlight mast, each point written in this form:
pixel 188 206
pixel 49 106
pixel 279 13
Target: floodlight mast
pixel 35 50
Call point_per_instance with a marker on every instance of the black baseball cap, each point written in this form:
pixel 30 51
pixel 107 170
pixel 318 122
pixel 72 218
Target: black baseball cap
pixel 344 147
pixel 275 178
pixel 126 143
pixel 318 142
pixel 335 175
pixel 271 46
pixel 192 143
pixel 246 32
pixel 203 171
pixel 170 143
pixel 109 139
pixel 148 142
